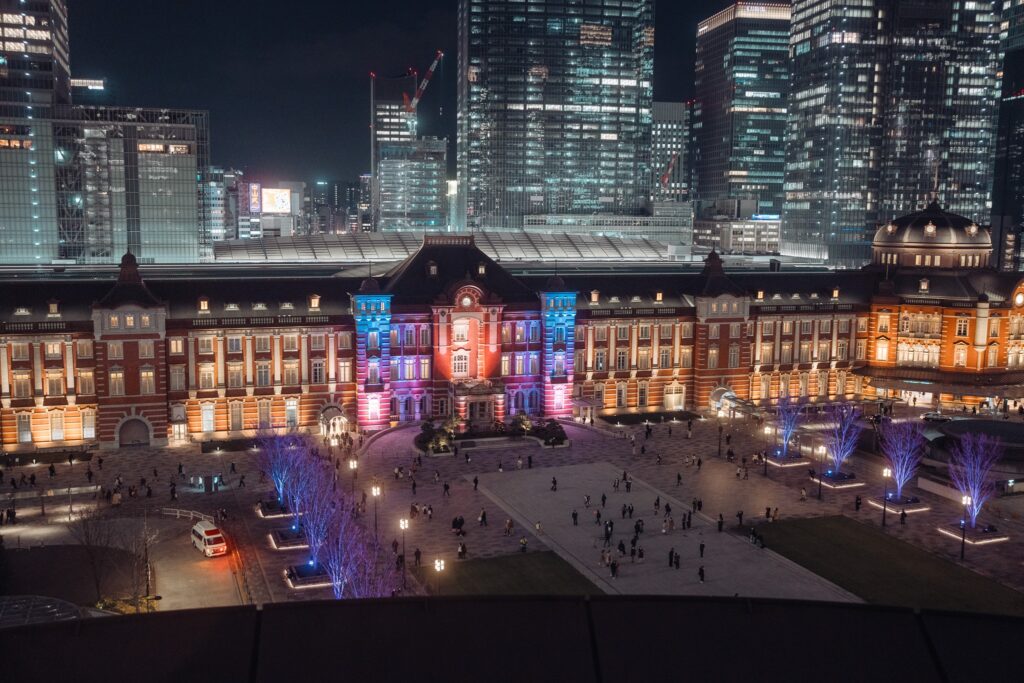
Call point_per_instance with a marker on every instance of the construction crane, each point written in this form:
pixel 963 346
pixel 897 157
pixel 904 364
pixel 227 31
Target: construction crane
pixel 411 105
pixel 666 177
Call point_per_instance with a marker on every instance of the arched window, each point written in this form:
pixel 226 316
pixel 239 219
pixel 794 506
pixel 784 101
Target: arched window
pixel 534 401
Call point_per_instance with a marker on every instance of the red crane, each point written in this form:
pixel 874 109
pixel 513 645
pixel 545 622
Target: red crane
pixel 667 175
pixel 410 105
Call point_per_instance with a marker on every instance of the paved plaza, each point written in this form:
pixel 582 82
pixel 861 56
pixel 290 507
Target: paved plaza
pixel 591 461
pixel 732 565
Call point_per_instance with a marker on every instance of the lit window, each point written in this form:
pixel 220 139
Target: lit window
pixel 177 346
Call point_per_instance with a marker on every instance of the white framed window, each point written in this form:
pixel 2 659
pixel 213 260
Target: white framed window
pixel 425 336
pixel 317 374
pixel 345 370
pixel 54 384
pixel 235 416
pixel 176 346
pixel 147 381
pixel 291 413
pixel 506 364
pixel 88 424
pixel 205 344
pixel 24 428
pixel 460 332
pixel 460 363
pixel 177 378
pixel 960 356
pixel 206 377
pixel 601 333
pixel 600 360
pixel 665 358
pixel 424 368
pixel 208 416
pixel 666 331
pixel 53 350
pixel 316 342
pixel 234 344
pixel 290 342
pixel 373 372
pixel 263 414
pixel 714 331
pixel 621 360
pixel 686 357
pixel 22 385
pixel 373 407
pixel 263 374
pixel 116 383
pixel 882 350
pixel 712 358
pixel 115 349
pixel 83 348
pixel 86 383
pixel 961 327
pixel 146 348
pixel 345 340
pixel 734 356
pixel 291 373
pixel 263 344
pixel 235 376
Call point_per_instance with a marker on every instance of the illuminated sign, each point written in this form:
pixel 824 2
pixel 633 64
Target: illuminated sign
pixel 179 149
pixel 151 147
pixel 765 217
pixel 13 143
pixel 255 206
pixel 276 200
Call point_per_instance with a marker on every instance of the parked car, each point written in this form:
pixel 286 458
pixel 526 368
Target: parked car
pixel 208 539
pixel 935 417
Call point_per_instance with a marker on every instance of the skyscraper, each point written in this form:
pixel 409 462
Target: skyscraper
pixel 742 81
pixel 389 121
pixel 671 151
pixel 1008 186
pixel 892 104
pixel 554 108
pixel 84 184
pixel 412 187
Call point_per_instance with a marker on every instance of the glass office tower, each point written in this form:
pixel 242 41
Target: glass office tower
pixel 671 151
pixel 1008 185
pixel 554 108
pixel 742 81
pixel 892 104
pixel 413 185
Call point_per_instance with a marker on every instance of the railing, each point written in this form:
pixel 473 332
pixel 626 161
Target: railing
pixel 185 514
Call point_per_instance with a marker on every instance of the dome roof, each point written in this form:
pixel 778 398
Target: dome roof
pixel 932 227
pixel 369 286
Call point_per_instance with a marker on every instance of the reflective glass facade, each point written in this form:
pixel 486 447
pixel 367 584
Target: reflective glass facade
pixel 413 185
pixel 1008 187
pixel 742 81
pixel 554 108
pixel 892 103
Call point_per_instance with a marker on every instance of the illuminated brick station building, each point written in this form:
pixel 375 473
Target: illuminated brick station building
pixel 449 330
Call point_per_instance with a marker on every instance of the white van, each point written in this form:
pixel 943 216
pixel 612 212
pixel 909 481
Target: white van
pixel 208 539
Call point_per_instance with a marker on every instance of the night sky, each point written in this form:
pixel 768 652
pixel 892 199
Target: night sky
pixel 286 83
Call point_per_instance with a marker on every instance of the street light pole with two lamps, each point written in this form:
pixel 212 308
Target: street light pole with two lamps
pixel 966 500
pixel 403 524
pixel 886 473
pixel 375 491
pixel 438 568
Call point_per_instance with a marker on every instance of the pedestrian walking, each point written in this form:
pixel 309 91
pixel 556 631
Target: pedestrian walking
pixel 689 520
pixel 803 494
pixel 671 557
pixel 857 504
pixel 483 517
pixel 233 470
pixel 554 484
pixel 677 560
pixel 416 556
pixel 414 487
pixel 99 461
pixel 53 471
pixel 623 510
pixel 700 573
pixel 575 518
pixel 604 499
pixel 739 516
pixel 668 509
pixel 446 492
pixel 88 475
pixel 586 500
pixel 699 463
pixel 721 522
pixel 640 554
pixel 476 483
pixel 679 478
pixel 768 513
pixel 241 482
pixel 631 511
pixel 701 547
pixel 775 515
pixel 903 517
pixel 529 462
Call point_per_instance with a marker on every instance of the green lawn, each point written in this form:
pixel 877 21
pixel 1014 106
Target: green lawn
pixel 540 573
pixel 883 570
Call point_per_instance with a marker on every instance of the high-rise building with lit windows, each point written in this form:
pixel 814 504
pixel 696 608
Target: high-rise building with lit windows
pixel 412 185
pixel 671 151
pixel 554 108
pixel 1008 184
pixel 892 104
pixel 83 184
pixel 742 81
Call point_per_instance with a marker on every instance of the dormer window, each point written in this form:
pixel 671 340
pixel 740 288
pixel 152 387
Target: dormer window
pixel 835 292
pixel 432 269
pixel 929 229
pixel 53 309
pixel 314 302
pixel 635 300
pixel 230 307
pixel 595 296
pixel 21 310
pixel 923 285
pixel 259 306
pixel 481 268
pixel 613 299
pixel 204 305
pixel 972 229
pixel 776 297
pixel 287 306
pixel 796 295
pixel 814 295
pixel 760 295
pixel 659 297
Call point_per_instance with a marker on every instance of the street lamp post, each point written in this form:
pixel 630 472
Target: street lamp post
pixel 438 568
pixel 403 524
pixel 821 468
pixel 375 491
pixel 886 473
pixel 767 432
pixel 966 500
pixel 353 465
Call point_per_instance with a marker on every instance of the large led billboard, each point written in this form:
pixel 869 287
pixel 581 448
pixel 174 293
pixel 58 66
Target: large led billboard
pixel 276 200
pixel 254 198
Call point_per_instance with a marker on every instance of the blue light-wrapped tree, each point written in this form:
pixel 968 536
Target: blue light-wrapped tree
pixel 842 429
pixel 902 444
pixel 319 506
pixel 787 418
pixel 970 467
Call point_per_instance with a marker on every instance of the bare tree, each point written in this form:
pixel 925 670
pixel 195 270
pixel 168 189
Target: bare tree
pixel 970 467
pixel 345 541
pixel 373 575
pixel 277 460
pixel 94 531
pixel 902 444
pixel 135 537
pixel 842 429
